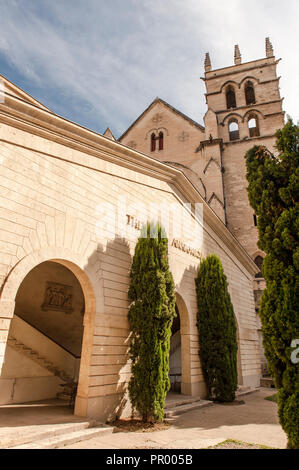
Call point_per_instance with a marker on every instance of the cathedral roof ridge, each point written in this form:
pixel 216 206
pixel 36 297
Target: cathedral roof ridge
pixel 156 100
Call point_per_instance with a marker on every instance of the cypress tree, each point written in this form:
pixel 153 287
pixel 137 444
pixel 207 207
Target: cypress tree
pixel 151 313
pixel 217 331
pixel 273 194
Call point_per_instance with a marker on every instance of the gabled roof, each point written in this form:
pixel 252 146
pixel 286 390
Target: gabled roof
pixel 109 134
pixel 159 100
pixel 12 89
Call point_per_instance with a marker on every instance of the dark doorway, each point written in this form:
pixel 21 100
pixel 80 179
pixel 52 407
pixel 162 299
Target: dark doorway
pixel 175 363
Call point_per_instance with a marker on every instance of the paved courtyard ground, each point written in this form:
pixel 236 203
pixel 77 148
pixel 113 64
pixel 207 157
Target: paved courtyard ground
pixel 253 422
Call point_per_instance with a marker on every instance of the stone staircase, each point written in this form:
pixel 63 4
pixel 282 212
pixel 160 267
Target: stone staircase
pixel 267 382
pixel 40 360
pixel 177 404
pixel 245 390
pixel 56 436
pixel 68 393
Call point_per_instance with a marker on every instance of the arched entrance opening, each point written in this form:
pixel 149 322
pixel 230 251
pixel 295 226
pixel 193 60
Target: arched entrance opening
pixel 175 362
pixel 44 346
pixel 180 350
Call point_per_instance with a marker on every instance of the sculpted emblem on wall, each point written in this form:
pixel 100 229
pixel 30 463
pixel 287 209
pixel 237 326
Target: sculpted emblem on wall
pixel 132 144
pixel 183 136
pixel 158 117
pixel 58 297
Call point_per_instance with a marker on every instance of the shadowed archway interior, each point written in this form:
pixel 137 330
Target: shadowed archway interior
pixel 175 362
pixel 44 345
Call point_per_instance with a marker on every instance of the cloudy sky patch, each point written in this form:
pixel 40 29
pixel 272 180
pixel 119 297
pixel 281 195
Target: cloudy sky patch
pixel 101 63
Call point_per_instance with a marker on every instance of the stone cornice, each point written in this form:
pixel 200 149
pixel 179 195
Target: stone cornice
pixel 40 122
pixel 235 69
pixel 55 128
pixel 209 142
pixel 246 106
pixel 248 139
pixel 13 90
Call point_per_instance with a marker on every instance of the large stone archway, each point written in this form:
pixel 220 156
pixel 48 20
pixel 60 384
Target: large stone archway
pixel 78 268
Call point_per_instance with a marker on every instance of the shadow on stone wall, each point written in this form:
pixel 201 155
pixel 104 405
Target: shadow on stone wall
pixel 110 363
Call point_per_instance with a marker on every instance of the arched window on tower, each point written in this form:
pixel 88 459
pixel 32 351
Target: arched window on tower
pixel 249 93
pixel 153 142
pixel 233 130
pixel 253 126
pixel 259 262
pixel 161 141
pixel 230 97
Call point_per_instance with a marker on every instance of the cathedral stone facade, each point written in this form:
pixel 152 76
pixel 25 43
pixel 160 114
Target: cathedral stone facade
pixel 244 108
pixel 72 204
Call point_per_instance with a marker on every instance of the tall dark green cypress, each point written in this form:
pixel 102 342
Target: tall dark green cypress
pixel 273 192
pixel 151 313
pixel 217 331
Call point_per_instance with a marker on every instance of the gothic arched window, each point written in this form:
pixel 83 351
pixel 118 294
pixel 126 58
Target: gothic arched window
pixel 233 130
pixel 230 97
pixel 253 126
pixel 249 93
pixel 259 262
pixel 153 142
pixel 160 140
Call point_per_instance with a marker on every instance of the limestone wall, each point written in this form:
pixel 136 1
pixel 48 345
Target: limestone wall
pixel 240 219
pixel 52 197
pixel 28 389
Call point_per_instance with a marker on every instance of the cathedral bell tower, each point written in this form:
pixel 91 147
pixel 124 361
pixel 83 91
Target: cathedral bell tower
pixel 244 109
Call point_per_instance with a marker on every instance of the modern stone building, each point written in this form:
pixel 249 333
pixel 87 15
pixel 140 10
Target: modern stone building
pixel 72 203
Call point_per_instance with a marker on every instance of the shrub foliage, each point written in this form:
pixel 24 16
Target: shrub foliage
pixel 217 331
pixel 151 313
pixel 273 194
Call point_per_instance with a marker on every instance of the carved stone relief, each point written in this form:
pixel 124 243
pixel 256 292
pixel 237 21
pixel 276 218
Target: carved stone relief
pixel 157 118
pixel 132 144
pixel 58 297
pixel 183 136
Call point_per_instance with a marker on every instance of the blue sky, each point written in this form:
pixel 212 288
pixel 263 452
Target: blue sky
pixel 100 63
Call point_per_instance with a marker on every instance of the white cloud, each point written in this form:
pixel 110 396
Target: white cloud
pixel 109 60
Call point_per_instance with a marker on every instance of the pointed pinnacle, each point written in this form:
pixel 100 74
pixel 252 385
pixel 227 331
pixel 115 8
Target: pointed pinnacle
pixel 269 48
pixel 207 62
pixel 238 58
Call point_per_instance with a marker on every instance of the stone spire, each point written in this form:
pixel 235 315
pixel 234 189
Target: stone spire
pixel 238 59
pixel 207 63
pixel 269 48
